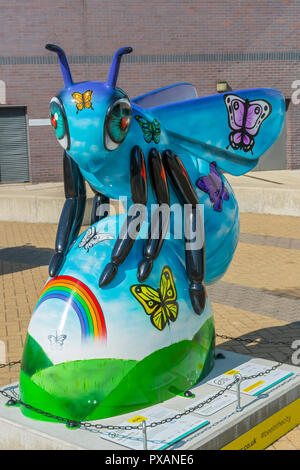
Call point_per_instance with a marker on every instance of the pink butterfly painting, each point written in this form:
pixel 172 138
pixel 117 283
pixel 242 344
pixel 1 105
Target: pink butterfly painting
pixel 245 118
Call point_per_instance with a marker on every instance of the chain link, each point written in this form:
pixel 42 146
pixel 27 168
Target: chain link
pixel 261 374
pixel 257 341
pixel 10 364
pixel 73 423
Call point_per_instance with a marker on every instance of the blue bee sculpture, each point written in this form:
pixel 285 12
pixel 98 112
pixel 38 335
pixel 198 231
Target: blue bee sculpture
pixel 124 320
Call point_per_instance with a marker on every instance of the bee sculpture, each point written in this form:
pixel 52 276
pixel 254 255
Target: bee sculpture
pixel 110 140
pixel 125 318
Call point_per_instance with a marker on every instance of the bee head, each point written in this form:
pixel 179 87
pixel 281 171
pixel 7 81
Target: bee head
pixel 90 119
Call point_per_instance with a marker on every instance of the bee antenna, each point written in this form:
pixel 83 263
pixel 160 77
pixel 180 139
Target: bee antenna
pixel 115 66
pixel 63 62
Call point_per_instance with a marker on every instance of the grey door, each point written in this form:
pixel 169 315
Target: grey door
pixel 14 161
pixel 275 157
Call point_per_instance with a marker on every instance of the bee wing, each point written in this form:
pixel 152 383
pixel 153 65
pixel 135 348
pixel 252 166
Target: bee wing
pixel 212 112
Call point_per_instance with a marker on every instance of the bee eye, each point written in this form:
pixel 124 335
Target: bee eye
pixel 59 122
pixel 117 123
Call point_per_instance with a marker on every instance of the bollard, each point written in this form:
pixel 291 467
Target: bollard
pixel 238 391
pixel 144 429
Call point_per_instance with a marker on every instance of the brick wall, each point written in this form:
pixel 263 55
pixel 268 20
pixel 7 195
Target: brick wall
pixel 248 43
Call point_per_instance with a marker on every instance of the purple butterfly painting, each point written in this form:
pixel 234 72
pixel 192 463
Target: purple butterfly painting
pixel 245 118
pixel 213 185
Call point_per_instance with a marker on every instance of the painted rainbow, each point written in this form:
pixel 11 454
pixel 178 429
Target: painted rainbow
pixel 82 300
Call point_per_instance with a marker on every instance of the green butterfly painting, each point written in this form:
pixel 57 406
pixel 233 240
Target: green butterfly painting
pixel 150 129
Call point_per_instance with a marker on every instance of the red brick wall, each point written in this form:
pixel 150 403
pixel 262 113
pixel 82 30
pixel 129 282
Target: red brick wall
pixel 98 28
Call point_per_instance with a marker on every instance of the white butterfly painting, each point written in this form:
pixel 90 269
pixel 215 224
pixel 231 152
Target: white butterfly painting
pixel 92 238
pixel 57 341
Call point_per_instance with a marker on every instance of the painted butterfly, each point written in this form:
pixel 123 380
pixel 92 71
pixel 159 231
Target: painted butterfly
pixel 83 100
pixel 245 118
pixel 57 340
pixel 151 130
pixel 213 185
pixel 160 304
pixel 92 238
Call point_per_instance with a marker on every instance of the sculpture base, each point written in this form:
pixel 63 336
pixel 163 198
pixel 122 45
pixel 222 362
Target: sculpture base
pixel 266 415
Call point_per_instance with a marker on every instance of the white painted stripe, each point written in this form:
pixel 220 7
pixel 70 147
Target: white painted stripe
pixel 39 122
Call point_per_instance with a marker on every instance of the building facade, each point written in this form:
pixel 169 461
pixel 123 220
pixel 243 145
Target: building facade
pixel 248 44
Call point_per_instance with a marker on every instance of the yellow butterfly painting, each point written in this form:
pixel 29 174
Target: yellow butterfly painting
pixel 83 100
pixel 160 304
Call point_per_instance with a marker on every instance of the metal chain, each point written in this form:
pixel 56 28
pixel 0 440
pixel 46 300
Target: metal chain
pixel 115 427
pixel 251 340
pixel 193 408
pixel 155 423
pixel 10 364
pixel 261 374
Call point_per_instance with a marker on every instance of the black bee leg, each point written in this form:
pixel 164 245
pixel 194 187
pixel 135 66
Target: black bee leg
pixel 72 213
pixel 193 228
pixel 195 257
pixel 100 207
pixel 132 225
pixel 160 219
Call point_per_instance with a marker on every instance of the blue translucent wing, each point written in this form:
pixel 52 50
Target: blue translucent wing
pixel 202 127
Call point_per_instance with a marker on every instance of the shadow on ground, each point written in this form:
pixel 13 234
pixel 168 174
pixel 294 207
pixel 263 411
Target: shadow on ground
pixel 291 293
pixel 289 352
pixel 19 258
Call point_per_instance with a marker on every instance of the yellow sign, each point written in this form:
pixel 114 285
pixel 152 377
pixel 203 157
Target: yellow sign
pixel 137 419
pixel 231 372
pixel 271 429
pixel 251 387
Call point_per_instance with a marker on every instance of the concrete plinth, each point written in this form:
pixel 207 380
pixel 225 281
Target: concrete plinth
pixel 262 420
